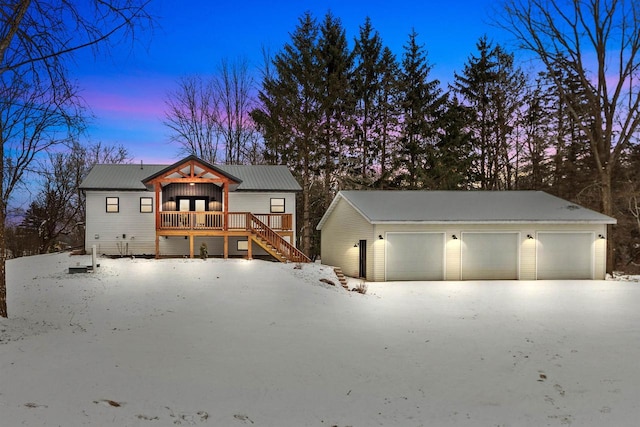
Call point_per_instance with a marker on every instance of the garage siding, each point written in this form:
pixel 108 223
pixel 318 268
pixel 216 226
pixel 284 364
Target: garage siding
pixel 342 230
pixel 352 226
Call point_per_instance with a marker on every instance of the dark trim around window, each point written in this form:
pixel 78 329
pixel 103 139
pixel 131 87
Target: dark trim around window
pixel 277 205
pixel 112 204
pixel 146 204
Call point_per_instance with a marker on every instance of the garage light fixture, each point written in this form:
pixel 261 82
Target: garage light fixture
pixel 454 237
pixel 529 236
pixel 380 237
pixel 355 245
pixel 600 236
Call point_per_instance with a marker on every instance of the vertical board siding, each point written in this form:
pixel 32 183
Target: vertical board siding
pixel 344 227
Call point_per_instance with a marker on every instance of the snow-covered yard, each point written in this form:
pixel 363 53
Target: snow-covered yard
pixel 235 342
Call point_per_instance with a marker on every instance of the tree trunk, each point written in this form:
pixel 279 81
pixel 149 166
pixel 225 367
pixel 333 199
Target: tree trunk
pixel 3 254
pixel 606 196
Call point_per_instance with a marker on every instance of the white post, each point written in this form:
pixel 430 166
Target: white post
pixel 93 258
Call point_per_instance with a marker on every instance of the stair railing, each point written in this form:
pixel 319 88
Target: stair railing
pixel 289 251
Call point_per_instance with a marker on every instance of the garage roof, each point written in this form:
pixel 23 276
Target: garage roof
pixel 465 207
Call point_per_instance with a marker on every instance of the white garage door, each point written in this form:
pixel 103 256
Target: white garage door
pixel 415 256
pixel 488 256
pixel 565 255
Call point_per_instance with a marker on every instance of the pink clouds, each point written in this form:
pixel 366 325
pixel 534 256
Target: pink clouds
pixel 126 96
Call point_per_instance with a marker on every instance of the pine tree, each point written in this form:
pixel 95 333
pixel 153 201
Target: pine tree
pixel 493 86
pixel 421 106
pixel 291 113
pixel 367 83
pixel 336 102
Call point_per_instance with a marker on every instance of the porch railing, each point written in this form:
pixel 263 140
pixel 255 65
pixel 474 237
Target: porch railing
pixel 216 221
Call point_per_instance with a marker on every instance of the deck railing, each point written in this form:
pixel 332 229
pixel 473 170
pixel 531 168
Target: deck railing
pixel 216 221
pixel 281 245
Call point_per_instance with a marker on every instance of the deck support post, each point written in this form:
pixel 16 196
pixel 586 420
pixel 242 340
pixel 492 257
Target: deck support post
pixel 226 246
pixel 249 245
pixel 190 245
pixel 157 246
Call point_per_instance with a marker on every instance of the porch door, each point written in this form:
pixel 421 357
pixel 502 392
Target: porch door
pixel 200 206
pixel 184 205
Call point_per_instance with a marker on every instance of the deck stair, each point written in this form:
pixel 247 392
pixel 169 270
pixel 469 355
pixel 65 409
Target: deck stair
pixel 273 243
pixel 341 277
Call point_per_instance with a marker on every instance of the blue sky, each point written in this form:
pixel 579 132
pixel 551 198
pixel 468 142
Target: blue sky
pixel 126 87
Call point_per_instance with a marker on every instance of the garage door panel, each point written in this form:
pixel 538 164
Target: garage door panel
pixel 415 256
pixel 489 256
pixel 564 256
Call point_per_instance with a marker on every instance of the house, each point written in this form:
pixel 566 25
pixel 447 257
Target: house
pixel 171 210
pixel 462 235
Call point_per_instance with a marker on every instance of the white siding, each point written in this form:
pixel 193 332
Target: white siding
pixel 341 231
pixel 129 232
pixel 260 203
pixel 527 264
pixel 122 233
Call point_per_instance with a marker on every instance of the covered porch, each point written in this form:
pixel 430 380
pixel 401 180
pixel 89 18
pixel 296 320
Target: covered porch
pixel 192 200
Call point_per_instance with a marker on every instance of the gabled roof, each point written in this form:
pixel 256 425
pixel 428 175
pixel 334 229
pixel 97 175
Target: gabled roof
pixel 131 177
pixel 467 207
pixel 183 168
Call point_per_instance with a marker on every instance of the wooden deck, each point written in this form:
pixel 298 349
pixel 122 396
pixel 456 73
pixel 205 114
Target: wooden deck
pixel 219 221
pixel 267 230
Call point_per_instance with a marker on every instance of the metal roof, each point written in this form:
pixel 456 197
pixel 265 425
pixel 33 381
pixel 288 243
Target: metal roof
pixel 465 207
pixel 130 177
pixel 119 177
pixel 263 177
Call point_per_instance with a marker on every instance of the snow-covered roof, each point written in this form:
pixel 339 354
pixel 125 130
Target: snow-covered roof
pixel 130 177
pixel 465 207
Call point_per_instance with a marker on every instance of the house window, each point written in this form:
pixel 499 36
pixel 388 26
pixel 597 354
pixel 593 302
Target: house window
pixel 277 205
pixel 113 204
pixel 146 204
pixel 243 245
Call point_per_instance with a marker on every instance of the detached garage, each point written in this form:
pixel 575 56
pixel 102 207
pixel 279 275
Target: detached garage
pixel 462 235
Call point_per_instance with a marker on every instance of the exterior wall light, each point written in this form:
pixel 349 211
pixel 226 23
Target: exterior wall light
pixel 600 236
pixel 454 237
pixel 529 236
pixel 380 237
pixel 355 245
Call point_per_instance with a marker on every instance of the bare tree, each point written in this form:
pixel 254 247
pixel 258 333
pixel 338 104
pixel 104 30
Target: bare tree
pixel 37 37
pixel 234 84
pixel 599 42
pixel 193 117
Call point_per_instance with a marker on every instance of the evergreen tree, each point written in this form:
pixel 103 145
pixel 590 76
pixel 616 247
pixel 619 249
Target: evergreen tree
pixel 291 113
pixel 421 106
pixel 367 83
pixel 336 102
pixel 388 113
pixel 493 86
pixel 454 154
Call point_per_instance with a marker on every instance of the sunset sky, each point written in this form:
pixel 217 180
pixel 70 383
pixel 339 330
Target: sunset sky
pixel 126 87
